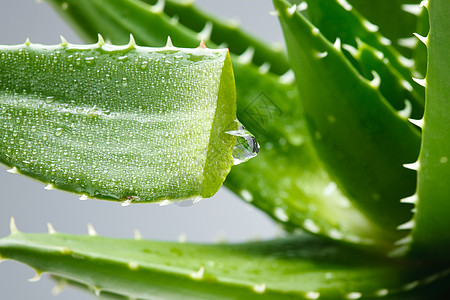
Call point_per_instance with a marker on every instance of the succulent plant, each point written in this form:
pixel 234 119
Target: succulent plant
pixel 353 136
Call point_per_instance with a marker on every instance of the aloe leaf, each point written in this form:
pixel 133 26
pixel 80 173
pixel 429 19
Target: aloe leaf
pixel 430 224
pixel 118 123
pixel 396 19
pixel 302 267
pixel 337 19
pixel 361 140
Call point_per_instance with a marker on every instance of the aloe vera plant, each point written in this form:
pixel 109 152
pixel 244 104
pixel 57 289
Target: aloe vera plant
pixel 354 152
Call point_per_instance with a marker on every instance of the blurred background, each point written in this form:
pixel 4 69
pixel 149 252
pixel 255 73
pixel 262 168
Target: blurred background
pixel 222 217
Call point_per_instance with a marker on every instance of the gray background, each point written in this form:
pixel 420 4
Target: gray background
pixel 223 216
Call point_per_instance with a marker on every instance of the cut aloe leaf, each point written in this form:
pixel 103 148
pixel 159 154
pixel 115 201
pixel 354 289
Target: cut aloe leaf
pixel 361 140
pixel 122 123
pixel 430 225
pixel 302 268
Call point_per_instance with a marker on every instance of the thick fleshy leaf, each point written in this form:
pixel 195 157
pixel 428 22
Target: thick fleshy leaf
pixel 302 268
pixel 122 123
pixel 430 234
pixel 361 140
pixel 286 180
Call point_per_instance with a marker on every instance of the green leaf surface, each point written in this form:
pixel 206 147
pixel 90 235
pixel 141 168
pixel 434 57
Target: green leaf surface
pixel 287 179
pixel 430 235
pixel 359 137
pixel 294 268
pixel 119 123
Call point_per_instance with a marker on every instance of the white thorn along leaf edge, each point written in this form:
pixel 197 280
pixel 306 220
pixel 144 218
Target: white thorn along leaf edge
pixel 311 226
pixel 169 43
pixel 97 291
pixel 206 31
pixel 27 42
pixel 36 277
pixel 414 9
pixel 198 274
pixel 345 5
pixel 182 238
pixel 291 10
pixel 421 38
pixel 91 230
pixel 321 54
pixel 418 123
pixel 354 295
pixel 329 189
pixel 406 226
pixel 424 3
pixel 246 195
pixel 259 288
pixel 312 295
pixel 287 78
pixel 409 42
pixel 175 20
pixel 274 13
pixel 165 203
pixel 101 40
pixel 405 113
pixel 12 226
pixel 158 7
pixel 399 251
pixel 83 197
pixel 419 81
pixel 376 81
pixel 247 56
pixel 58 288
pixel 404 241
pixel 407 85
pixel 411 199
pixel 264 68
pixel 382 292
pixel 409 63
pixel 316 31
pixel 352 50
pixel 133 265
pixel 337 44
pixel 385 41
pixel 13 170
pixel 280 214
pixel 202 44
pixel 414 166
pixel 49 187
pixel 63 41
pixel 50 228
pixel 137 235
pixel 302 6
pixel 132 42
pixel 370 26
pixel 126 203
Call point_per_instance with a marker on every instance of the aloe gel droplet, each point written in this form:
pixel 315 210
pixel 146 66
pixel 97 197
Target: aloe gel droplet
pixel 246 146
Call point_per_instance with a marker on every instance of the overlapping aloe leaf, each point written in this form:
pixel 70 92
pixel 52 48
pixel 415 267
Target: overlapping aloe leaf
pixel 430 235
pixel 337 19
pixel 286 180
pixel 120 123
pixel 301 268
pixel 396 19
pixel 359 137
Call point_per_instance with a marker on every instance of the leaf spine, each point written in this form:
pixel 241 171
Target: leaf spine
pixel 406 226
pixel 259 288
pixel 418 123
pixel 36 277
pixel 291 10
pixel 264 68
pixel 345 5
pixel 321 54
pixel 13 170
pixel 312 295
pixel 419 81
pixel 409 42
pixel 164 203
pixel 132 42
pixel 206 31
pixel 405 113
pixel 376 81
pixel 337 44
pixel 83 197
pixel 409 63
pixel 169 43
pixel 413 9
pixel 137 235
pixel 370 26
pixel 287 78
pixel 302 6
pixel 49 187
pixel 57 289
pixel 202 44
pixel 27 42
pixel 91 230
pixel 51 229
pixel 198 274
pixel 247 56
pixel 64 42
pixel 404 241
pixel 352 50
pixel 158 8
pixel 414 166
pixel 12 226
pixel 421 38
